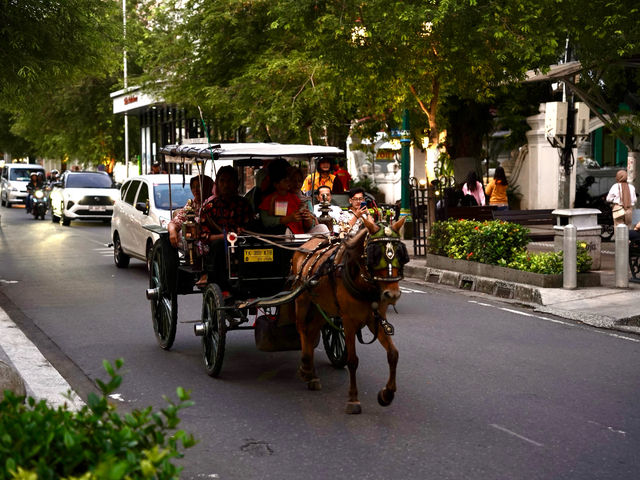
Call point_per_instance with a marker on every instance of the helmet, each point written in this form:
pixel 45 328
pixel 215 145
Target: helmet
pixel 54 172
pixel 40 175
pixel 33 175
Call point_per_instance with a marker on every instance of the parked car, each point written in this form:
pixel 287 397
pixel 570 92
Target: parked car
pixel 144 200
pixel 83 196
pixel 13 182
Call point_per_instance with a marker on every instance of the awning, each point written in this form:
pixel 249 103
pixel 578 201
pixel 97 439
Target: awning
pixel 556 72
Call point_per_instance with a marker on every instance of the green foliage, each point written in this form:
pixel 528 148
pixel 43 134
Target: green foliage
pixel 93 443
pixel 497 243
pixel 484 242
pixel 549 262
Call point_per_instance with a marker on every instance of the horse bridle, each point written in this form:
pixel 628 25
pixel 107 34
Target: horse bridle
pixel 384 251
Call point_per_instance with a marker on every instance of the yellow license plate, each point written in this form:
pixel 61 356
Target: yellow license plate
pixel 258 255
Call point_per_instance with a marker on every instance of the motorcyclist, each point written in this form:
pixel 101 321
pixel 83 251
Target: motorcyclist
pixel 36 180
pixel 53 176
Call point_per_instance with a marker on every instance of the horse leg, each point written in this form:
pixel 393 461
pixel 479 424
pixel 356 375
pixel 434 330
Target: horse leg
pixel 305 324
pixel 353 405
pixel 385 396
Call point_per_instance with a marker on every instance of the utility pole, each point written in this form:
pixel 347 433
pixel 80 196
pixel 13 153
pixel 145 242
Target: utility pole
pixel 405 207
pixel 566 157
pixel 126 116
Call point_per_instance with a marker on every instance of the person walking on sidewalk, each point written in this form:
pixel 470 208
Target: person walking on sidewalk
pixel 497 190
pixel 623 196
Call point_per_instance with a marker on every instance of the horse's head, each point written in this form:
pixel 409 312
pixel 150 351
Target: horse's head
pixel 385 256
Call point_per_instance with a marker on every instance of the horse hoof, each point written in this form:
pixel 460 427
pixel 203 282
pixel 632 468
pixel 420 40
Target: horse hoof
pixel 314 384
pixel 304 374
pixel 353 408
pixel 385 397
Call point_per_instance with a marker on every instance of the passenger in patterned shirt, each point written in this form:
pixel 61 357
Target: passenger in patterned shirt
pixel 191 208
pixel 226 212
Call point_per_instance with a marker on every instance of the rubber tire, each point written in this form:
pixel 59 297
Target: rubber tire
pixel 120 258
pixel 607 233
pixel 214 338
pixel 334 343
pixel 164 308
pixel 65 221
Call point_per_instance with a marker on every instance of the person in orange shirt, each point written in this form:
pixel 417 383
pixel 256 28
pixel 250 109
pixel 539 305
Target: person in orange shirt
pixel 322 176
pixel 497 190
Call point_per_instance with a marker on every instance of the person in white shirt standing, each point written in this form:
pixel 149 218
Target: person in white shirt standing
pixel 623 197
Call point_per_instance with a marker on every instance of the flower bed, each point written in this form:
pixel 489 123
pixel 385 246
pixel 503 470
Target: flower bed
pixel 498 243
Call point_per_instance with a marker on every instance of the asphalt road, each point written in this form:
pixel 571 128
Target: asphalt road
pixel 486 390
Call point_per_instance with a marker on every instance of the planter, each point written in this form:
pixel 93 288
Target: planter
pixel 590 279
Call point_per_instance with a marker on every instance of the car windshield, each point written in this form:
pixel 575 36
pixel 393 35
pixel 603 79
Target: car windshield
pixel 179 195
pixel 88 180
pixel 23 174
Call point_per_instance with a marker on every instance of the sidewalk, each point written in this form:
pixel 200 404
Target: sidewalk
pixel 604 307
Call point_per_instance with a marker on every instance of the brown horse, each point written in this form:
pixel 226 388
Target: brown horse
pixel 354 279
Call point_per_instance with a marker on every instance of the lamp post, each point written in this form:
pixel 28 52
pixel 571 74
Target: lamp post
pixel 405 142
pixel 126 116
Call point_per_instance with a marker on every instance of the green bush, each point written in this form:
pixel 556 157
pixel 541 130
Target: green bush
pixel 40 442
pixel 497 243
pixel 485 242
pixel 549 262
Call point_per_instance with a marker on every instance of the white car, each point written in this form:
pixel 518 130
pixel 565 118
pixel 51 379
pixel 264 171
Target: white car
pixel 82 196
pixel 144 200
pixel 14 178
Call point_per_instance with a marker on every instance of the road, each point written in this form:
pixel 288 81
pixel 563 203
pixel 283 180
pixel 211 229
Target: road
pixel 486 389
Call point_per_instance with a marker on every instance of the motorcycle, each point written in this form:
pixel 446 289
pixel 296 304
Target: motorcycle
pixel 39 204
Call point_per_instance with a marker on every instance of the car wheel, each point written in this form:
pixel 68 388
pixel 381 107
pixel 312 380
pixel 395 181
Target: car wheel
pixel 65 221
pixel 3 201
pixel 120 258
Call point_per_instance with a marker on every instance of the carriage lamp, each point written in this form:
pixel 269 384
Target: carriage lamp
pixel 189 236
pixel 325 218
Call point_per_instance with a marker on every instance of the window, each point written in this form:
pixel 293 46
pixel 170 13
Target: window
pixel 131 192
pixel 89 180
pixel 143 194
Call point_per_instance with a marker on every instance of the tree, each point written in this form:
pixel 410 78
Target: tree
pixel 60 61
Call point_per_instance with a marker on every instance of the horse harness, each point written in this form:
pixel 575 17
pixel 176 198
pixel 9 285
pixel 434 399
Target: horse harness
pixel 395 255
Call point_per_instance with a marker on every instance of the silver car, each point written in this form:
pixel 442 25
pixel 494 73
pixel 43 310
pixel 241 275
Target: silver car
pixel 144 200
pixel 83 196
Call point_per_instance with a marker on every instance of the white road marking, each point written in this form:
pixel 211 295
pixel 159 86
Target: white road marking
pixel 410 290
pixel 40 377
pixel 506 430
pixel 553 320
pixel 611 429
pixel 2 280
pixel 117 396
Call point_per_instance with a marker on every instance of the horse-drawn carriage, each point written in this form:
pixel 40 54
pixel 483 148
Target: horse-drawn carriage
pixel 289 289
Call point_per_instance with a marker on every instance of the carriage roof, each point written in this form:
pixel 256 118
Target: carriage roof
pixel 238 152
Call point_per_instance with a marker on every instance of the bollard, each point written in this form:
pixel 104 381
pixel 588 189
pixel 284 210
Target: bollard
pixel 622 256
pixel 570 258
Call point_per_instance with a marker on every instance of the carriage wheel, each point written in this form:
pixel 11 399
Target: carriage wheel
pixel 215 333
pixel 164 307
pixel 334 343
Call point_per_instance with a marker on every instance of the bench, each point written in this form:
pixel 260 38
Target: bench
pixel 634 258
pixel 479 213
pixel 539 222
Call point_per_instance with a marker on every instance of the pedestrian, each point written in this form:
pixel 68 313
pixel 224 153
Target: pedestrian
pixel 497 190
pixel 623 196
pixel 473 188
